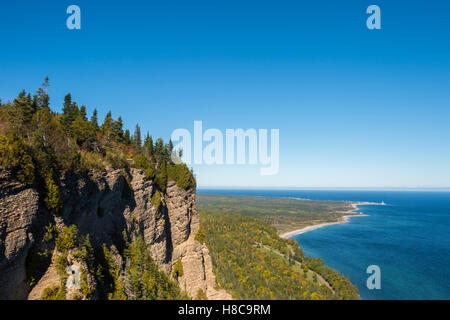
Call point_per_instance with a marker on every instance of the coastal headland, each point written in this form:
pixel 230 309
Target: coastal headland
pixel 344 219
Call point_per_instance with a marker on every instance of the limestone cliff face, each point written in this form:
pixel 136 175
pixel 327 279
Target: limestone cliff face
pixel 197 264
pixel 103 206
pixel 18 215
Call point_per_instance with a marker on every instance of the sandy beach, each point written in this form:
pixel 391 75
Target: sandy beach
pixel 344 219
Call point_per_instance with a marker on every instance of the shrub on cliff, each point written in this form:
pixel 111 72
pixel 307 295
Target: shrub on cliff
pixel 178 269
pixel 201 295
pixel 14 156
pixel 66 240
pixel 181 174
pixel 92 161
pixel 141 161
pixel 52 197
pixel 53 293
pixel 200 236
pixel 116 159
pixel 156 199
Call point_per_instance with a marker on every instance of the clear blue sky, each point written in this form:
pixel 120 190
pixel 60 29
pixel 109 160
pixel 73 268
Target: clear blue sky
pixel 355 108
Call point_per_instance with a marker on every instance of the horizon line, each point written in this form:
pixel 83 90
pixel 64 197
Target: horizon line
pixel 327 188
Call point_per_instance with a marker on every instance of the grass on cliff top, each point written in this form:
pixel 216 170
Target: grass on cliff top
pixel 284 214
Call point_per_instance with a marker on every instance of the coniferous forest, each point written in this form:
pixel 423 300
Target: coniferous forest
pixel 38 145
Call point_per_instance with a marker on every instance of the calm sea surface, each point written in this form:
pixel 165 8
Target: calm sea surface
pixel 409 239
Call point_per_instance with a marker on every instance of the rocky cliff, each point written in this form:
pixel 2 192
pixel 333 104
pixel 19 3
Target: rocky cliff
pixel 106 206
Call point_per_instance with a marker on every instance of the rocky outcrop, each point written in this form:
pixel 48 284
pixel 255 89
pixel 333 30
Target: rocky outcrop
pixel 107 207
pixel 194 256
pixel 18 214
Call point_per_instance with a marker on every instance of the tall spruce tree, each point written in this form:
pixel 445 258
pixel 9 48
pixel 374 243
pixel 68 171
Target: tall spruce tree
pixel 159 147
pixel 169 150
pixel 107 127
pixel 83 113
pixel 70 113
pixel 148 145
pixel 94 119
pixel 137 141
pixel 118 130
pixel 127 137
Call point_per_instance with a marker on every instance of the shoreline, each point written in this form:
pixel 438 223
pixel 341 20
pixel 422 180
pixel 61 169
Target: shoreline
pixel 344 219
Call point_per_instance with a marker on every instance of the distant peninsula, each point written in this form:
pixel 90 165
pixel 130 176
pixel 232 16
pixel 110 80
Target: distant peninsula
pixel 289 216
pixel 344 219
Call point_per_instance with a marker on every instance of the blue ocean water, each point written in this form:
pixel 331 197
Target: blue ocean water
pixel 409 239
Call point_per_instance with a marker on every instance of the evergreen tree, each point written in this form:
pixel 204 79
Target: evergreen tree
pixel 127 137
pixel 83 113
pixel 143 280
pixel 50 145
pixel 118 130
pixel 169 151
pixel 94 119
pixel 137 141
pixel 41 99
pixel 21 112
pixel 84 133
pixel 159 147
pixel 161 176
pixel 148 145
pixel 70 113
pixel 67 103
pixel 87 253
pixel 107 127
